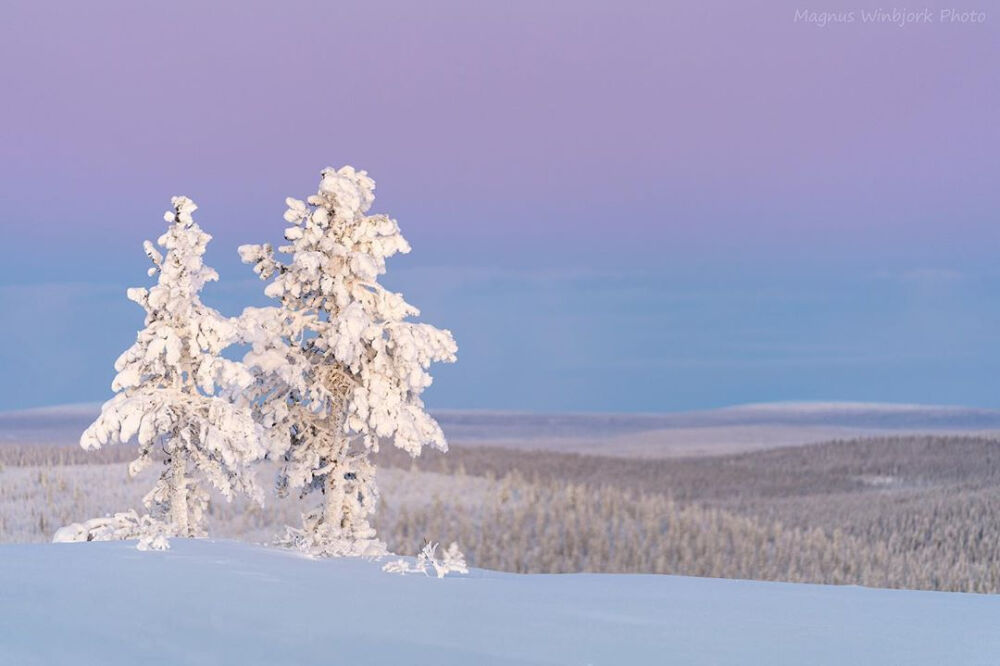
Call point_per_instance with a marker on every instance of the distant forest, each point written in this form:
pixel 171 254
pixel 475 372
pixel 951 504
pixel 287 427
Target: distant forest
pixel 904 512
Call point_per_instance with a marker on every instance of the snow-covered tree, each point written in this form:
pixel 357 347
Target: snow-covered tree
pixel 339 368
pixel 177 395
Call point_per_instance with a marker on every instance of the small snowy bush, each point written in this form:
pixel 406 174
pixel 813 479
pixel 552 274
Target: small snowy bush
pixel 451 561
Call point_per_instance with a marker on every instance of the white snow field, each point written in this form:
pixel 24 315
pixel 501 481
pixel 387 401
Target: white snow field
pixel 219 602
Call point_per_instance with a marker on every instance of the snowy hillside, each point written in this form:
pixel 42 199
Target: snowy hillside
pixel 205 602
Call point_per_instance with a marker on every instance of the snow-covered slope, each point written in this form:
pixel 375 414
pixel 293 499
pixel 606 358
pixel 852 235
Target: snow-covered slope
pixel 205 602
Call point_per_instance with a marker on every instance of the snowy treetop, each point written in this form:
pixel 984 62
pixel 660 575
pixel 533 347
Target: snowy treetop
pixel 336 314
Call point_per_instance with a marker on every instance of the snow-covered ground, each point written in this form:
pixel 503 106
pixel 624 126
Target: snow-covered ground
pixel 218 602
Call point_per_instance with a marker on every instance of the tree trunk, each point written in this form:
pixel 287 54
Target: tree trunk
pixel 179 494
pixel 333 501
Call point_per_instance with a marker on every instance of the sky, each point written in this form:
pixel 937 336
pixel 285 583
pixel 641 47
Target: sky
pixel 627 206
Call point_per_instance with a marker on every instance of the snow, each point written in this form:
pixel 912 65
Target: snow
pixel 218 602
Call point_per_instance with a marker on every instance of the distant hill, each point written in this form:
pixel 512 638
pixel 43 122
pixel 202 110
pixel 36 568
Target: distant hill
pixel 839 414
pixel 713 431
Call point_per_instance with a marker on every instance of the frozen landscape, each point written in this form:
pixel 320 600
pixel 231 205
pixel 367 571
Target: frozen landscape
pixel 208 602
pixel 906 511
pixel 667 337
pixel 318 444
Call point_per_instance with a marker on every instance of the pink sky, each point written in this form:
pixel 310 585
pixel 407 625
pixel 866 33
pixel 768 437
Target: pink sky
pixel 540 116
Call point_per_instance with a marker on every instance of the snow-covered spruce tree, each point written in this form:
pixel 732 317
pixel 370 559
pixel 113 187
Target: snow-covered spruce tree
pixel 178 395
pixel 339 368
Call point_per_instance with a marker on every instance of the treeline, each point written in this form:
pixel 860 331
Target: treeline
pixel 557 527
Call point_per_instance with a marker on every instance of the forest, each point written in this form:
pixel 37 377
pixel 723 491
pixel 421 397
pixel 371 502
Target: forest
pixel 902 512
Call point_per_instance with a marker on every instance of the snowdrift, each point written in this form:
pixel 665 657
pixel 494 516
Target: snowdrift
pixel 218 602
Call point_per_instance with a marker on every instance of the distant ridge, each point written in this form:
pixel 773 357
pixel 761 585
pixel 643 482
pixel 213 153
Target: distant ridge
pixel 890 416
pixel 712 431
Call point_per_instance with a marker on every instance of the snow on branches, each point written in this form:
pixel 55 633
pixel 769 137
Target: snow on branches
pixel 338 367
pixel 152 534
pixel 178 396
pixel 335 369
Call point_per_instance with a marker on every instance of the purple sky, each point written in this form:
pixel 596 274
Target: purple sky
pixel 716 176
